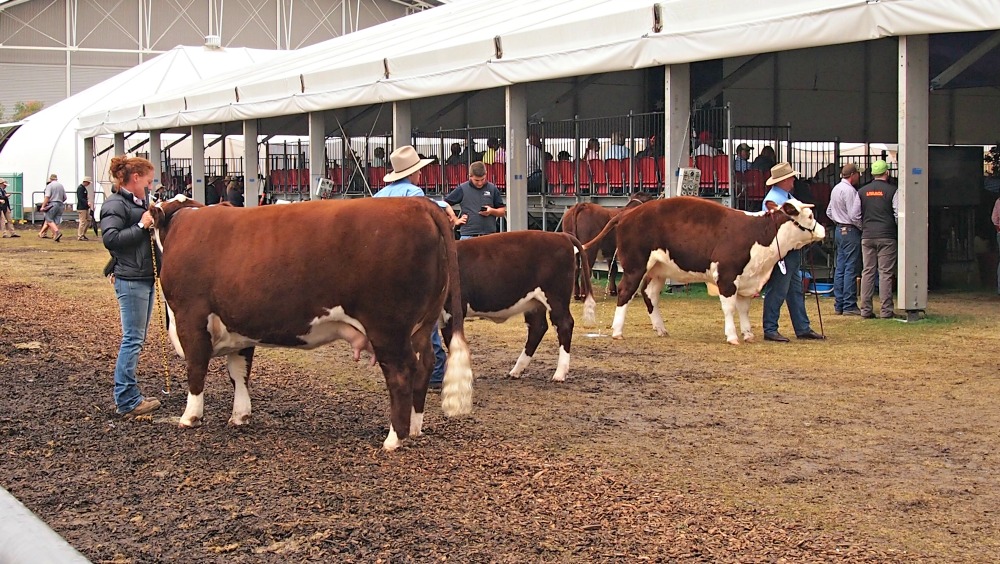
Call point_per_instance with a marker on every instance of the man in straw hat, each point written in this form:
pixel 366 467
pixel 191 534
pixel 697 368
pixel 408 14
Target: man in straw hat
pixel 879 214
pixel 785 284
pixel 403 179
pixel 83 208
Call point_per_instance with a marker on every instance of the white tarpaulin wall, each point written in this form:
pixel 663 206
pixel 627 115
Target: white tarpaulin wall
pixel 453 48
pixel 47 142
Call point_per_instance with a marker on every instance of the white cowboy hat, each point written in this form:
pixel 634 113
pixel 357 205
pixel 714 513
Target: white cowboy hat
pixel 405 161
pixel 86 179
pixel 780 172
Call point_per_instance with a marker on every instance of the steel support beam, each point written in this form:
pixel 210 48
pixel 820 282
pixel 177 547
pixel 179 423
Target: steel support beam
pixel 516 104
pixel 676 123
pixel 914 115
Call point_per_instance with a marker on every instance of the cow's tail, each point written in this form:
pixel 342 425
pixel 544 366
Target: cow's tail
pixel 600 236
pixel 456 390
pixel 583 271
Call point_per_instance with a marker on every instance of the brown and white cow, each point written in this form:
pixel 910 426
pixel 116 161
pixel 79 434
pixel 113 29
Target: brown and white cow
pixel 529 273
pixel 689 239
pixel 373 272
pixel 584 221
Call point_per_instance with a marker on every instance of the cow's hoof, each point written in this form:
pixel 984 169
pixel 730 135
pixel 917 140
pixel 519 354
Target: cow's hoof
pixel 515 375
pixel 733 341
pixel 239 420
pixel 749 338
pixel 193 423
pixel 558 378
pixel 662 333
pixel 618 337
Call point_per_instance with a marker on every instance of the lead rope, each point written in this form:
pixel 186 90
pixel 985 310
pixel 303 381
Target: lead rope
pixel 160 314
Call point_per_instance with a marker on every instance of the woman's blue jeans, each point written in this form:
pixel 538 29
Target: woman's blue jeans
pixel 135 303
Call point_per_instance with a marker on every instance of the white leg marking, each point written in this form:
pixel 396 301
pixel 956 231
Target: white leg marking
pixel 416 423
pixel 743 307
pixel 563 368
pixel 237 365
pixel 194 411
pixel 589 312
pixel 728 309
pixel 172 331
pixel 391 441
pixel 619 323
pixel 522 362
pixel 653 289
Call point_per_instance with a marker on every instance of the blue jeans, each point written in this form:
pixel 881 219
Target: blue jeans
pixel 437 375
pixel 845 290
pixel 135 303
pixel 786 288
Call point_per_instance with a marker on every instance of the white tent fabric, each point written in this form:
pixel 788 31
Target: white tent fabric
pixel 452 49
pixel 47 142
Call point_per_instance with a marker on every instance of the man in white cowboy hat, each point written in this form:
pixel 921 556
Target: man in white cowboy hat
pixel 83 208
pixel 785 284
pixel 403 179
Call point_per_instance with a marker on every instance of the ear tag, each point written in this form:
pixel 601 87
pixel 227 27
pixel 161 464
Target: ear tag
pixel 781 266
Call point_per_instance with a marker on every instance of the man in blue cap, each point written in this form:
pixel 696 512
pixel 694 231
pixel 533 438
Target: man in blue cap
pixel 879 214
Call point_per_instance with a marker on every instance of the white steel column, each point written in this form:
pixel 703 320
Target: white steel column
pixel 401 124
pixel 198 162
pixel 317 153
pixel 677 123
pixel 914 113
pixel 88 170
pixel 155 151
pixel 119 143
pixel 516 102
pixel 251 164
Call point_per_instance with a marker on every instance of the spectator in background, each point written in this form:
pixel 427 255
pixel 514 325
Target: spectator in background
pixel 456 155
pixel 564 156
pixel 6 220
pixel 500 155
pixel 82 209
pixel 481 203
pixel 879 213
pixel 378 156
pixel 741 163
pixel 489 155
pixel 593 149
pixel 845 210
pixel 234 193
pixel 52 205
pixel 160 194
pixel 705 145
pixel 534 160
pixel 765 160
pixel 617 150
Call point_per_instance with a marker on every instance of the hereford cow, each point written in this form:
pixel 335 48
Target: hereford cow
pixel 689 239
pixel 525 272
pixel 375 273
pixel 584 221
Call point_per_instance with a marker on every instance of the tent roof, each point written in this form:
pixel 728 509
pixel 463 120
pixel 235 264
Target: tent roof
pixel 454 48
pixel 47 141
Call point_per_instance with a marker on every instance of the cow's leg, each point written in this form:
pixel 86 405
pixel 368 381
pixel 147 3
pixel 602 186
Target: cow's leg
pixel 626 289
pixel 729 306
pixel 239 364
pixel 743 307
pixel 537 326
pixel 425 365
pixel 563 321
pixel 197 353
pixel 651 295
pixel 612 275
pixel 399 365
pixel 590 255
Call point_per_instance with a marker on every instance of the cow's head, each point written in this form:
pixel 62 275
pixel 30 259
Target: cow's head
pixel 163 211
pixel 639 198
pixel 801 227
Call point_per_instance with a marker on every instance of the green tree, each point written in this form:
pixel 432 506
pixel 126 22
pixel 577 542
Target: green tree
pixel 25 109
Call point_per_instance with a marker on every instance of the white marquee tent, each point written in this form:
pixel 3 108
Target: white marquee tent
pixel 472 45
pixel 47 142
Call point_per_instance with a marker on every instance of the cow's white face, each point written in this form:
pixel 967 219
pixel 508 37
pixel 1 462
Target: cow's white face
pixel 803 227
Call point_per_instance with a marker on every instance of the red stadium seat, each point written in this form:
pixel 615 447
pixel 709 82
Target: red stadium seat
pixel 497 174
pixel 616 169
pixel 821 198
pixel 720 164
pixel 375 177
pixel 647 176
pixel 583 174
pixel 567 178
pixel 599 176
pixel 704 164
pixel 455 174
pixel 551 174
pixel 430 179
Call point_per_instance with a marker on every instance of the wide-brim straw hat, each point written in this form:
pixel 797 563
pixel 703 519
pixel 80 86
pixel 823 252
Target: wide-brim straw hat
pixel 87 179
pixel 53 177
pixel 405 161
pixel 780 172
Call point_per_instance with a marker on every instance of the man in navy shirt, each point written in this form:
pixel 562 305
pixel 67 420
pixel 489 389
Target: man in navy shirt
pixel 480 201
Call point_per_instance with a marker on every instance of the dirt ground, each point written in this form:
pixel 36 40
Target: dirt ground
pixel 877 445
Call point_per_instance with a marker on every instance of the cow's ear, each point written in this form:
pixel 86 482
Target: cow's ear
pixel 159 218
pixel 789 209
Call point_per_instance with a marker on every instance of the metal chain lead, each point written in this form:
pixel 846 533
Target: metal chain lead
pixel 159 313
